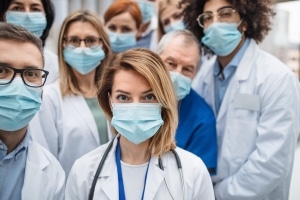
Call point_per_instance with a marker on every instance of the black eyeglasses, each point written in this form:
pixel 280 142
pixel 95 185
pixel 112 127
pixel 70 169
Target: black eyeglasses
pixel 90 41
pixel 31 77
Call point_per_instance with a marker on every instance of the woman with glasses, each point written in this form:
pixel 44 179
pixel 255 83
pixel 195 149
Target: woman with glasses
pixel 36 16
pixel 254 96
pixel 142 161
pixel 71 118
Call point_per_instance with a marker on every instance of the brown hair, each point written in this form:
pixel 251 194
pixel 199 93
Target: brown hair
pixel 150 66
pixel 68 82
pixel 19 34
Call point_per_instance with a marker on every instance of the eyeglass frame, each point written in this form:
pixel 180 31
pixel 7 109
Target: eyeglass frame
pixel 84 40
pixel 21 71
pixel 213 14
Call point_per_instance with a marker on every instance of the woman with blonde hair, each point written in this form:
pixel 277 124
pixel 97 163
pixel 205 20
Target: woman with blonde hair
pixel 75 122
pixel 137 97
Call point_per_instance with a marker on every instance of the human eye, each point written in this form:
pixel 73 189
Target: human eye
pixel 177 16
pixel 73 41
pixel 36 9
pixel 32 74
pixel 126 29
pixel 150 97
pixel 4 71
pixel 225 13
pixel 112 28
pixel 91 41
pixel 166 22
pixel 170 64
pixel 122 98
pixel 207 18
pixel 16 8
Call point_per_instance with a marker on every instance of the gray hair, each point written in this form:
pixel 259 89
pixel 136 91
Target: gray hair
pixel 188 39
pixel 19 34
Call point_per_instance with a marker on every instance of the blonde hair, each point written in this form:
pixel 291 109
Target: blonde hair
pixel 68 81
pixel 151 67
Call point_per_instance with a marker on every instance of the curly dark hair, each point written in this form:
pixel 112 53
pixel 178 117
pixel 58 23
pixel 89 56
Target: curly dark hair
pixel 255 13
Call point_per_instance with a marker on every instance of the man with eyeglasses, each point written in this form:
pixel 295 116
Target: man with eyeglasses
pixel 27 170
pixel 254 96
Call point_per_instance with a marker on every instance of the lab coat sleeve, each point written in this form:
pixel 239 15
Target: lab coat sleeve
pixel 277 131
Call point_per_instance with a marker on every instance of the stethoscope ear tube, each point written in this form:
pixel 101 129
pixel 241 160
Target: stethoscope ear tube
pixel 92 190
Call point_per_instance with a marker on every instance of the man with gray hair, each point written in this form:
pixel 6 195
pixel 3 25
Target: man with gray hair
pixel 196 131
pixel 27 170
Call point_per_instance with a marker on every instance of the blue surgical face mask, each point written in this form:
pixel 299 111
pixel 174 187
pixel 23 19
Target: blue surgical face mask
pixel 18 104
pixel 177 25
pixel 83 60
pixel 137 122
pixel 181 84
pixel 222 38
pixel 35 22
pixel 147 9
pixel 120 42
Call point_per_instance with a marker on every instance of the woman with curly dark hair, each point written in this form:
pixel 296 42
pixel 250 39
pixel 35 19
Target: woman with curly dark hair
pixel 254 96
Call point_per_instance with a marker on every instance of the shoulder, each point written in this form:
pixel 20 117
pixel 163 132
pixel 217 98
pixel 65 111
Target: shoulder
pixel 197 106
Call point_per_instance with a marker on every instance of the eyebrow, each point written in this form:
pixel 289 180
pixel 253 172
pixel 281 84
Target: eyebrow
pixel 122 91
pixel 3 64
pixel 20 3
pixel 219 9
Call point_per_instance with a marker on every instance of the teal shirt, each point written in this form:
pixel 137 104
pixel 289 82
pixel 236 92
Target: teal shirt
pixel 100 119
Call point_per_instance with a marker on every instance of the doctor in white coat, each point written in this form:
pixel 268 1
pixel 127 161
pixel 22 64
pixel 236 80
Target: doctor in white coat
pixel 142 162
pixel 75 122
pixel 255 98
pixel 27 170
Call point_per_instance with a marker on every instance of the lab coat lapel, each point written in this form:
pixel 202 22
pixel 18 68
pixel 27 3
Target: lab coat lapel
pixel 109 173
pixel 242 74
pixel 85 114
pixel 155 179
pixel 35 177
pixel 209 87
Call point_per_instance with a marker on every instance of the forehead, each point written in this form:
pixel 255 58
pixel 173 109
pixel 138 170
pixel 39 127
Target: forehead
pixel 27 2
pixel 182 51
pixel 20 54
pixel 169 11
pixel 129 80
pixel 214 5
pixel 124 18
pixel 80 28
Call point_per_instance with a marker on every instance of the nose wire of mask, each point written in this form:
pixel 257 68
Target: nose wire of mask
pixel 35 22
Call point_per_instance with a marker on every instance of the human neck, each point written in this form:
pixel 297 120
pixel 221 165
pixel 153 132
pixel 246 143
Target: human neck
pixel 12 138
pixel 134 154
pixel 224 60
pixel 87 85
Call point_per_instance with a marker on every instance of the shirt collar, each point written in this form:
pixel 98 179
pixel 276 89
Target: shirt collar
pixel 235 61
pixel 20 148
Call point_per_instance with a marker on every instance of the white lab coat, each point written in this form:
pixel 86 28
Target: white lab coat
pixel 68 126
pixel 197 182
pixel 257 127
pixel 44 176
pixel 51 65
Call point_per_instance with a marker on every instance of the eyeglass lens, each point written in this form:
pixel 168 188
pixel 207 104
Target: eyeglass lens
pixel 224 15
pixel 31 77
pixel 89 41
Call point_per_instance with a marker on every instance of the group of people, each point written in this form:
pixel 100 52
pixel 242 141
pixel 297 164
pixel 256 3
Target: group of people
pixel 202 114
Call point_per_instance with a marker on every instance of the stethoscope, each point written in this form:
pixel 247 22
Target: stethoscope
pixel 160 165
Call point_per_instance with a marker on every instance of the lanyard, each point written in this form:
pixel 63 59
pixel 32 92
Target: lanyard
pixel 120 177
